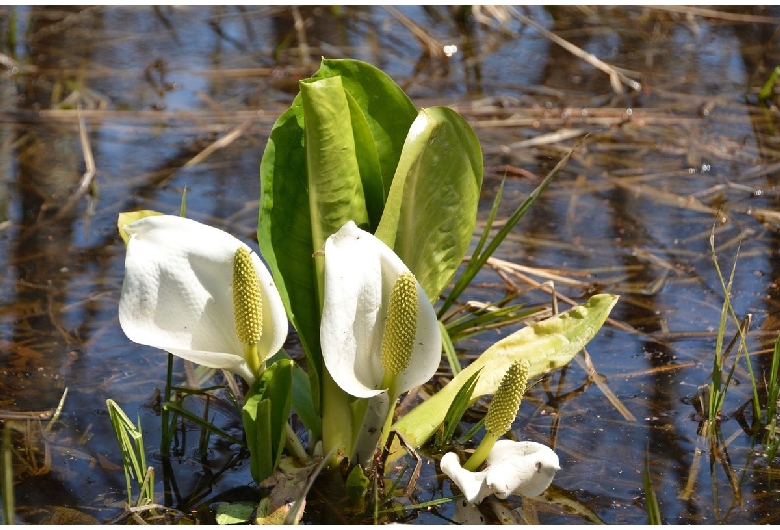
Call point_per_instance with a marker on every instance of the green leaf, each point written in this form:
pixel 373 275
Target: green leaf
pixel 367 160
pixel 284 233
pixel 431 210
pixel 547 345
pixel 335 188
pixel 234 513
pixel 311 173
pixel 357 486
pixel 387 110
pixel 303 404
pixel 265 412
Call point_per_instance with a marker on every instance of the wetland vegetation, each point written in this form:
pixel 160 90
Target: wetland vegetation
pixel 673 111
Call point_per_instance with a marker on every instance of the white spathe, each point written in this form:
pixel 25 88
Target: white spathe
pixel 520 468
pixel 360 271
pixel 177 294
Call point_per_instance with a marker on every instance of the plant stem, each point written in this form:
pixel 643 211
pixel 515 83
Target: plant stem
pixel 293 444
pixel 252 358
pixel 337 421
pixel 7 478
pixel 483 449
pixel 165 441
pixel 390 413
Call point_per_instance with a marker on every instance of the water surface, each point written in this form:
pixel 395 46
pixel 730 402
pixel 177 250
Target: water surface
pixel 690 151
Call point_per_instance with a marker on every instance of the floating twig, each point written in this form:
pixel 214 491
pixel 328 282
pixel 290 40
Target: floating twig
pixel 220 143
pixel 89 175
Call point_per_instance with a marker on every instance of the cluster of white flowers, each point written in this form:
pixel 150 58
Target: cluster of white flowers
pixel 177 296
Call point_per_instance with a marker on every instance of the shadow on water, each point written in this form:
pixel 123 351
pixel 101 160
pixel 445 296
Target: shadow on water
pixel 176 98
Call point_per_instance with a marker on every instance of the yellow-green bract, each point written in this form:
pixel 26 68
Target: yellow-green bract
pixel 546 345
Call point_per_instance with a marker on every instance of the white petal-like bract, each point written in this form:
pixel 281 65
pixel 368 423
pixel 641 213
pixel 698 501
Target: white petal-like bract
pixel 519 468
pixel 177 294
pixel 472 484
pixel 522 468
pixel 360 271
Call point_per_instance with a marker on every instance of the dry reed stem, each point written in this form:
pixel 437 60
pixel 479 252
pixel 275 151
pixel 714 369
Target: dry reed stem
pixel 616 75
pixel 587 363
pixel 303 44
pixel 433 46
pixel 88 176
pixel 713 13
pixel 500 265
pixel 220 143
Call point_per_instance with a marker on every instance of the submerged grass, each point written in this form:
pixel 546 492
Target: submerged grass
pixel 720 379
pixel 773 392
pixel 651 501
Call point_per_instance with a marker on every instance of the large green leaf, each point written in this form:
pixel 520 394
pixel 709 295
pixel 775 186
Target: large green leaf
pixel 547 345
pixel 335 189
pixel 387 110
pixel 431 210
pixel 368 164
pixel 315 158
pixel 284 232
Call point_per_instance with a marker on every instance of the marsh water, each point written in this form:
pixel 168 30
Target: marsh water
pixel 679 148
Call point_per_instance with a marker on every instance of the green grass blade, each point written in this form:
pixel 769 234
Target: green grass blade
pixel 651 501
pixel 457 408
pixel 7 479
pixel 472 432
pixel 773 388
pixel 766 91
pixel 449 349
pixel 485 319
pixel 131 444
pixel 200 422
pixel 472 267
pixel 479 261
pixel 718 389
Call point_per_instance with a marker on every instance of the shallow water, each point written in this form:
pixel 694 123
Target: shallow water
pixel 631 214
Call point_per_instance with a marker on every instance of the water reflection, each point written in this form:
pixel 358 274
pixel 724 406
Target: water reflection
pixel 184 97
